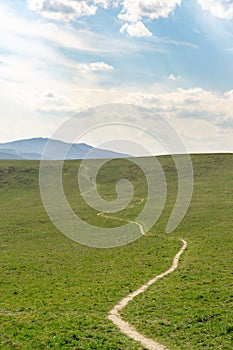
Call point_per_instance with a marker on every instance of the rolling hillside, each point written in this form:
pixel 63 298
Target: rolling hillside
pixel 56 294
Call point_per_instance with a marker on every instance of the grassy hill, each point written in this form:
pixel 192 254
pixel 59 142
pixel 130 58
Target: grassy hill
pixel 56 294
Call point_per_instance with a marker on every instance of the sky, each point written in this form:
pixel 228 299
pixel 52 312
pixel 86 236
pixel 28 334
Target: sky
pixel 60 57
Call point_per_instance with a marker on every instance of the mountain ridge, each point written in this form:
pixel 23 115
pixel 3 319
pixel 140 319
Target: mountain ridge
pixel 32 149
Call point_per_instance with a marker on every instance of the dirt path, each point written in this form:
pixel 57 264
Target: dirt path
pixel 114 315
pixel 123 220
pixel 127 328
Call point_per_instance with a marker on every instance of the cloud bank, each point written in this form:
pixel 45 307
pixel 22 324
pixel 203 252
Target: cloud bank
pixel 133 13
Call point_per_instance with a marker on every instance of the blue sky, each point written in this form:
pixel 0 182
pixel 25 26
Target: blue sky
pixel 59 57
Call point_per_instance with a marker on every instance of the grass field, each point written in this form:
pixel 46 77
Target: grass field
pixel 56 294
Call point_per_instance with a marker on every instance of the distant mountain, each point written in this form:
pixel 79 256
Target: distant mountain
pixel 32 149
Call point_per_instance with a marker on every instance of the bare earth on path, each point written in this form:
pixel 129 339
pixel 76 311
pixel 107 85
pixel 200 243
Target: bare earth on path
pixel 114 315
pixel 127 328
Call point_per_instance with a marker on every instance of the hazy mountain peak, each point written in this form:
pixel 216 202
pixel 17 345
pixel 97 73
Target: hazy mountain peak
pixel 33 148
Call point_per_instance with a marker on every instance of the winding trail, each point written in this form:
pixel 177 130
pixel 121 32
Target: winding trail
pixel 126 327
pixel 114 315
pixel 105 215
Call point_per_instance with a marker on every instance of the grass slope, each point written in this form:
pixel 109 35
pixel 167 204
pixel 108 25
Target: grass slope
pixel 56 294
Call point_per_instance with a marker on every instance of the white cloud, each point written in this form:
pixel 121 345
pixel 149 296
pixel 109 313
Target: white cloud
pixel 99 66
pixel 198 115
pixel 174 77
pixel 187 103
pixel 104 3
pixel 67 10
pixel 52 103
pixel 137 29
pixel 20 34
pixel 62 10
pixel 204 119
pixel 85 68
pixel 134 10
pixel 218 8
pixel 42 38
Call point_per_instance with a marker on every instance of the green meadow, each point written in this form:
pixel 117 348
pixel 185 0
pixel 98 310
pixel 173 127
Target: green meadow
pixel 56 293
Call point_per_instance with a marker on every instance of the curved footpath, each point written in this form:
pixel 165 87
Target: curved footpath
pixel 124 220
pixel 127 328
pixel 114 314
